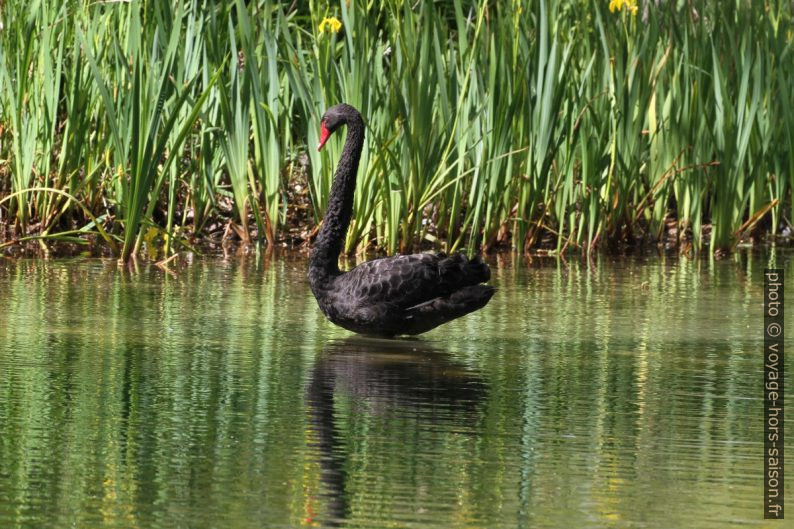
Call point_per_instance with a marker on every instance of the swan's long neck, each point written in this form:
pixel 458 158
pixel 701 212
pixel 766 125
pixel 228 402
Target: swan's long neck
pixel 324 261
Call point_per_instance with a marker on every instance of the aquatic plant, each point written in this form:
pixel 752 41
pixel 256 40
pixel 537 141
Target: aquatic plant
pixel 561 125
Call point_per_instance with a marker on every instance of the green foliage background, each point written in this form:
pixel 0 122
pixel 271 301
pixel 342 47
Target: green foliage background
pixel 562 124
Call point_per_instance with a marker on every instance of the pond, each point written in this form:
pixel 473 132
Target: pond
pixel 617 392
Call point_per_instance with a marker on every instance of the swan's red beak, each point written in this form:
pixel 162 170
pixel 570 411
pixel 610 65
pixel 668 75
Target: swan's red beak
pixel 324 134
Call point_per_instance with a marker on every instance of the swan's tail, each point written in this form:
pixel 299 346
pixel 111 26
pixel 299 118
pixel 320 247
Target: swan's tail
pixel 467 299
pixel 433 313
pixel 458 271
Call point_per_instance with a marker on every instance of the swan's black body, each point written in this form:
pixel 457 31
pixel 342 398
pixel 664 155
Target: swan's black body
pixel 404 294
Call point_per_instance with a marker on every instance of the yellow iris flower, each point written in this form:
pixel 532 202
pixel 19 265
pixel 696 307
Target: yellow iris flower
pixel 617 5
pixel 332 24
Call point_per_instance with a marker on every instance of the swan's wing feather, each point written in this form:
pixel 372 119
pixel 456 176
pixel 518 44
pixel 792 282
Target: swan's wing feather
pixel 401 281
pixel 404 281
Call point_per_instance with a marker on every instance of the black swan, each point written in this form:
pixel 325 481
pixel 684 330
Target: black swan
pixel 403 294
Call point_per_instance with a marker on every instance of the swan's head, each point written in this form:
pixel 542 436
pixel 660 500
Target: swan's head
pixel 335 117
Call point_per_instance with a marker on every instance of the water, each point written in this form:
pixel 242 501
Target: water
pixel 616 393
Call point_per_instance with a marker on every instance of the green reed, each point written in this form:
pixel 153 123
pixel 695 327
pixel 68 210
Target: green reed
pixel 549 124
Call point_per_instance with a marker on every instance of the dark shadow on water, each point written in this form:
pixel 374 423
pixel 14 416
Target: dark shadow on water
pixel 391 377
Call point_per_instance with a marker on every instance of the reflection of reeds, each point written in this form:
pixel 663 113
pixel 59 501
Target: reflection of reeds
pixel 188 400
pixel 567 125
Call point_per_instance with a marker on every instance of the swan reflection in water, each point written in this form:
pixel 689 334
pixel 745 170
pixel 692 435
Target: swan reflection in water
pixel 388 379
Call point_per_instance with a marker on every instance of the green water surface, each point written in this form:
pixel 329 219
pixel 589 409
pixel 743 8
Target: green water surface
pixel 620 392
